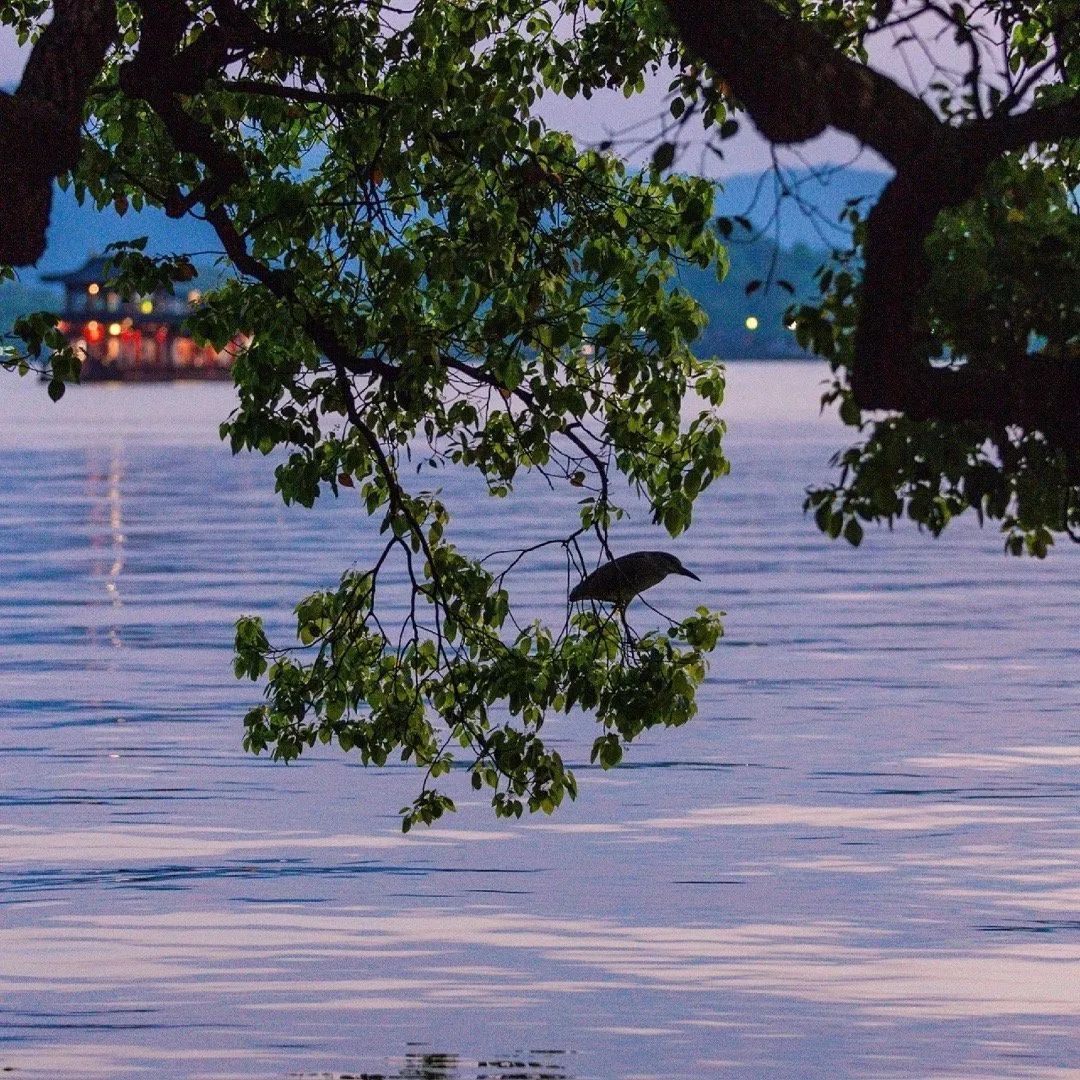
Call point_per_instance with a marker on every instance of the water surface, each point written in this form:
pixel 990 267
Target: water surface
pixel 861 860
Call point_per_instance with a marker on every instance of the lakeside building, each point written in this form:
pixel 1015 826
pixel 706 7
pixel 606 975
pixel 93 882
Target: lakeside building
pixel 133 339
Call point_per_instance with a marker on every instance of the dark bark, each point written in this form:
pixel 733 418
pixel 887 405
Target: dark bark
pixel 1035 392
pixel 40 122
pixel 795 84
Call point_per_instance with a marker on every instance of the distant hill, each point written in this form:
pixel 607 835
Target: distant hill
pixel 799 229
pixel 18 299
pixel 78 231
pixel 794 225
pixel 808 214
pixel 746 327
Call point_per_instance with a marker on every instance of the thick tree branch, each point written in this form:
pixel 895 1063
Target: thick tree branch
pixel 794 84
pixel 292 40
pixel 1049 123
pixel 891 343
pixel 45 113
pixel 1036 391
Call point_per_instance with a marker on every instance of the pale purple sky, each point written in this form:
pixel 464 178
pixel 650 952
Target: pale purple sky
pixel 11 60
pixel 609 113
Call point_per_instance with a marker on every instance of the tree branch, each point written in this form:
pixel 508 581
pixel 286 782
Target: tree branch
pixel 794 84
pixel 1048 123
pixel 300 93
pixel 45 112
pixel 343 358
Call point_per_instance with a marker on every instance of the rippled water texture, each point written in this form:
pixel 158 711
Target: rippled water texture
pixel 861 860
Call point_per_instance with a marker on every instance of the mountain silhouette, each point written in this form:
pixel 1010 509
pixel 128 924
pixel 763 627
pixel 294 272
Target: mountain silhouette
pixel 807 216
pixel 78 231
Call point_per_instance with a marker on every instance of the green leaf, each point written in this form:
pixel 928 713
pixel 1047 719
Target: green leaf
pixel 663 156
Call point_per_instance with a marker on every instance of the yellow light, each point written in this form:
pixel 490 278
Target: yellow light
pixel 194 296
pixel 93 289
pixel 146 307
pixel 114 329
pixel 751 322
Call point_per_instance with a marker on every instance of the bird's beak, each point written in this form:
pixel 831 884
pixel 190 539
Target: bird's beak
pixel 688 573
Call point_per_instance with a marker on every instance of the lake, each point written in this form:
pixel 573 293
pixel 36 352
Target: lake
pixel 862 859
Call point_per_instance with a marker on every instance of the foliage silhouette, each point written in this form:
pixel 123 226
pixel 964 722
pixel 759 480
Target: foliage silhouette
pixel 431 275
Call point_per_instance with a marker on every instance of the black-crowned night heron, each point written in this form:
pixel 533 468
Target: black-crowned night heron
pixel 619 581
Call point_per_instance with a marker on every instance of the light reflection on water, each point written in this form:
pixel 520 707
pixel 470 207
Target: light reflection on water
pixel 862 859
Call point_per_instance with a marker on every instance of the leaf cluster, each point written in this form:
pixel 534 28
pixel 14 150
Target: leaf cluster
pixel 1001 300
pixel 425 276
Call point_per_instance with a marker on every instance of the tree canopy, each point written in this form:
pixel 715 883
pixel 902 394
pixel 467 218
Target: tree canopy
pixel 956 312
pixel 429 274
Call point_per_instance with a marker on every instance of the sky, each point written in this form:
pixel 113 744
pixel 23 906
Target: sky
pixel 913 64
pixel 609 114
pixel 634 125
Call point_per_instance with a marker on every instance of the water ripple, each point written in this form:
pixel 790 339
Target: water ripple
pixel 861 860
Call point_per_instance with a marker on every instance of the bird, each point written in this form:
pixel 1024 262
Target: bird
pixel 619 581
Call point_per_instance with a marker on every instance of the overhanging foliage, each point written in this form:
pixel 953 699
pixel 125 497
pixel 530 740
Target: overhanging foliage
pixel 424 266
